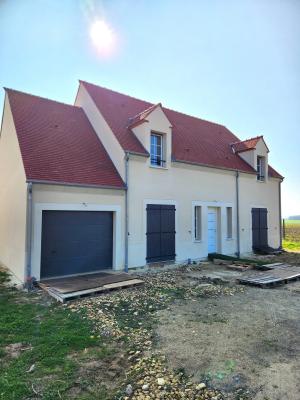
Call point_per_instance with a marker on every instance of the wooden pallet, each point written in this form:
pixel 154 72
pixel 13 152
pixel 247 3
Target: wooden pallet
pixel 62 297
pixel 271 278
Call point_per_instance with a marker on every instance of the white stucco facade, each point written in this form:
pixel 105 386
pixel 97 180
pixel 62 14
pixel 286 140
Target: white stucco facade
pixel 13 195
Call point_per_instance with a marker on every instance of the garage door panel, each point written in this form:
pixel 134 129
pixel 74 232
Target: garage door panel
pixel 75 242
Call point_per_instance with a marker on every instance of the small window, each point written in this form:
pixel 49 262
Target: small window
pixel 229 222
pixel 157 150
pixel 260 168
pixel 197 223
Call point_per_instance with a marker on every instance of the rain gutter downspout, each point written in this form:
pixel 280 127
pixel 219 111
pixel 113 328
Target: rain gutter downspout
pixel 280 218
pixel 126 210
pixel 237 175
pixel 28 278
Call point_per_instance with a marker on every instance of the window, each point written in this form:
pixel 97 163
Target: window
pixel 229 222
pixel 156 150
pixel 197 223
pixel 260 168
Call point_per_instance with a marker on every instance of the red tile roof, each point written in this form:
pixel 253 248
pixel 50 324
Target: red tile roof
pixel 58 143
pixel 248 144
pixel 141 117
pixel 194 140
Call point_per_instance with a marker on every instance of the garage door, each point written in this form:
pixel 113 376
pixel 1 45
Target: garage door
pixel 76 242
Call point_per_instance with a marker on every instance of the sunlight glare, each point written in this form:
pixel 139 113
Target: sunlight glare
pixel 102 37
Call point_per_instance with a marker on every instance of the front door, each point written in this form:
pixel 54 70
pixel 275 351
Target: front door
pixel 160 232
pixel 212 230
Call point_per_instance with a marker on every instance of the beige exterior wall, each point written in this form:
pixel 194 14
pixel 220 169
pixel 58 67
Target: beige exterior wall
pixel 55 197
pixel 13 198
pixel 102 129
pixel 189 185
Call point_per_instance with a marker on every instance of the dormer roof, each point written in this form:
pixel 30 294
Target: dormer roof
pixel 248 144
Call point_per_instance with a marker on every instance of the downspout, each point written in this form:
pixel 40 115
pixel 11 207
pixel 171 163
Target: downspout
pixel 280 218
pixel 126 211
pixel 237 175
pixel 28 278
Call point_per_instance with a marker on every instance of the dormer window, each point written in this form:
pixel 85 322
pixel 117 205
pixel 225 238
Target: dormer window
pixel 261 168
pixel 157 150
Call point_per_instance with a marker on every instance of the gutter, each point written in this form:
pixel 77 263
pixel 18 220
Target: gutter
pixel 28 277
pixel 126 211
pixel 57 183
pixel 210 166
pixel 238 252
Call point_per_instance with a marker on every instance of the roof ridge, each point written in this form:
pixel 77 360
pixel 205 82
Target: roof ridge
pixel 246 140
pixel 152 104
pixel 40 97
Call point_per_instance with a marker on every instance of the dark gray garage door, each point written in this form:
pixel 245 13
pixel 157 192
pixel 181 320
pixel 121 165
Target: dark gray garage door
pixel 160 232
pixel 75 242
pixel 259 228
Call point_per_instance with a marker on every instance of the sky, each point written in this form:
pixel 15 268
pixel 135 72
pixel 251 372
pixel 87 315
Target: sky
pixel 233 62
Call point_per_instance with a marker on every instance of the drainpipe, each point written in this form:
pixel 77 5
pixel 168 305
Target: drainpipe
pixel 28 278
pixel 237 175
pixel 280 218
pixel 126 210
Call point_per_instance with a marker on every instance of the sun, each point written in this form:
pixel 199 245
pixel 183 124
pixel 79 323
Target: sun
pixel 102 37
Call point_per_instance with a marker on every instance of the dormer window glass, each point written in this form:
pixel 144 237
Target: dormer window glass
pixel 157 150
pixel 261 168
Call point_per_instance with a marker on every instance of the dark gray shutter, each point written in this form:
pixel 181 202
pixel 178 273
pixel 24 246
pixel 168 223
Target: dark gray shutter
pixel 259 228
pixel 160 232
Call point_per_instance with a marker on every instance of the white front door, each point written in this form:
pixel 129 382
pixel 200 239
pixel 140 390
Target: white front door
pixel 212 230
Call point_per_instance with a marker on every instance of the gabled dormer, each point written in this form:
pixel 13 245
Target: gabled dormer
pixel 255 152
pixel 154 131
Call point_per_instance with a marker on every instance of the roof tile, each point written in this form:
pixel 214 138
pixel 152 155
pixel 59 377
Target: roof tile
pixel 58 143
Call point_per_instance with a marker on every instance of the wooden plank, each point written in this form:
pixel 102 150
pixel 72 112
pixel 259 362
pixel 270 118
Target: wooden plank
pixel 282 273
pixel 85 282
pixel 116 285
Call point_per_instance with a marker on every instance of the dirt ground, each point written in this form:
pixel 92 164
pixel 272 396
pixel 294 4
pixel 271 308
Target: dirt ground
pixel 249 340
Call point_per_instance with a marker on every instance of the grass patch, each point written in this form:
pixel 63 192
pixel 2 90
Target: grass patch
pixel 47 334
pixel 211 257
pixel 290 245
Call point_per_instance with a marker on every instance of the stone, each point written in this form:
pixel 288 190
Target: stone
pixel 201 386
pixel 145 387
pixel 160 381
pixel 129 390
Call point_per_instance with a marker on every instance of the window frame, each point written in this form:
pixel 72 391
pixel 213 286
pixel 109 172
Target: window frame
pixel 157 158
pixel 229 223
pixel 261 168
pixel 197 224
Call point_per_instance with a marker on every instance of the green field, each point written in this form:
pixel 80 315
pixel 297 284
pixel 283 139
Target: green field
pixel 291 240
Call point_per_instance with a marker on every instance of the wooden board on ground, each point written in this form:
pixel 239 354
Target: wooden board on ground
pixel 84 282
pixel 62 297
pixel 272 277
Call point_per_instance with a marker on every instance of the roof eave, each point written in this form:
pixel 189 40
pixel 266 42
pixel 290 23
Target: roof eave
pixel 87 185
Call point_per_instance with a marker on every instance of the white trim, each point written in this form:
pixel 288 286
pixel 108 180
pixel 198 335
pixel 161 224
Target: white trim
pixel 221 222
pixel 37 230
pixel 163 202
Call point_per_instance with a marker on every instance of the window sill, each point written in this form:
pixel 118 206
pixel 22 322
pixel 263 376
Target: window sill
pixel 157 167
pixel 198 241
pixel 229 239
pixel 261 181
